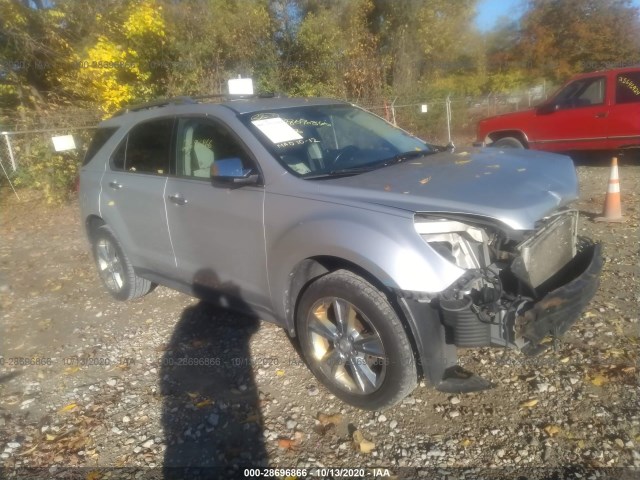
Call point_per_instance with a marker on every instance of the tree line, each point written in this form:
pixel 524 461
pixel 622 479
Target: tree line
pixel 110 53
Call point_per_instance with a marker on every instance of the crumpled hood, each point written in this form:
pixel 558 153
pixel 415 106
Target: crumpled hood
pixel 516 187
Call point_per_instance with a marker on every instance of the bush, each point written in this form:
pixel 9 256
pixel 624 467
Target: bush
pixel 52 173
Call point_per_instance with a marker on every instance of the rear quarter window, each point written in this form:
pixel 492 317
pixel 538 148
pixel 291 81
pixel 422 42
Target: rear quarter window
pixel 100 137
pixel 628 87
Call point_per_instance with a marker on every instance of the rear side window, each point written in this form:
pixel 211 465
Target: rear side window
pixel 146 149
pixel 100 137
pixel 628 88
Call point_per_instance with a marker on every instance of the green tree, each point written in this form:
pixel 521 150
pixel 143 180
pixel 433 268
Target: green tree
pixel 214 40
pixel 559 38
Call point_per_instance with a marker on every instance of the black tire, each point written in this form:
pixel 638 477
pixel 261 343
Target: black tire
pixel 377 329
pixel 508 142
pixel 118 276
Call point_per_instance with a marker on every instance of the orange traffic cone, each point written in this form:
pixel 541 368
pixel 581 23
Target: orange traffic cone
pixel 612 208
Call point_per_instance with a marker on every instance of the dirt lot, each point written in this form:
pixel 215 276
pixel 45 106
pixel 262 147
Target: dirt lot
pixel 166 381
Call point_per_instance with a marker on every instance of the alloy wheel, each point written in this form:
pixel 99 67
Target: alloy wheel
pixel 109 265
pixel 346 346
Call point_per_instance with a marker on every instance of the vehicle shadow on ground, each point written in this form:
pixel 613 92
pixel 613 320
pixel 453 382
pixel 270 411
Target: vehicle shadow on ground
pixel 603 158
pixel 211 408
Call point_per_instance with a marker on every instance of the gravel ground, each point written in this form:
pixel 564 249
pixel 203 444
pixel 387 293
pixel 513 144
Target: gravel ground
pixel 166 380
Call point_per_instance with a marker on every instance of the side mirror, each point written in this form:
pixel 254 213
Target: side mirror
pixel 547 108
pixel 230 170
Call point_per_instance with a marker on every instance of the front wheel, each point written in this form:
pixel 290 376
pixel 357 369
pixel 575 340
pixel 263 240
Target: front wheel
pixel 508 142
pixel 114 267
pixel 354 342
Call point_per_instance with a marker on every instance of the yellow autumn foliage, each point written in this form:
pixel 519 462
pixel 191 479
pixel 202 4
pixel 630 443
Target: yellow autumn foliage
pixel 114 71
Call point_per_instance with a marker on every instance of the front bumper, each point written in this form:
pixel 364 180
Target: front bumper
pixel 562 306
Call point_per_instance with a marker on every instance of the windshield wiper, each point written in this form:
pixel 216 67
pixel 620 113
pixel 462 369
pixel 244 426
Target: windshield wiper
pixel 401 157
pixel 343 172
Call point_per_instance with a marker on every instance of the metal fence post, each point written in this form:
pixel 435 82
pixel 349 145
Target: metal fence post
pixel 448 110
pixel 393 111
pixel 10 150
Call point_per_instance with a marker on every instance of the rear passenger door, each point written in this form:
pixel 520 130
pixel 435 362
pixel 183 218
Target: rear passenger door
pixel 217 231
pixel 132 198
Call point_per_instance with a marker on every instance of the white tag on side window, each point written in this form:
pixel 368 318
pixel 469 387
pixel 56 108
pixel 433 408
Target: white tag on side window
pixel 277 130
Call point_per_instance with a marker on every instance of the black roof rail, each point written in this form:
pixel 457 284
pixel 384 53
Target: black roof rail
pixel 185 100
pixel 155 103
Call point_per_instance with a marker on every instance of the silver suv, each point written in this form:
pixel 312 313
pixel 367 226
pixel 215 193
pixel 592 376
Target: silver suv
pixel 379 253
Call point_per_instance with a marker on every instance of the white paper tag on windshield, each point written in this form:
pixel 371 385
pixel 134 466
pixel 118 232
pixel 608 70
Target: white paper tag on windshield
pixel 277 130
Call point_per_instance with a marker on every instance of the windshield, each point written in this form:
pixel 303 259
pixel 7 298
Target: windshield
pixel 327 140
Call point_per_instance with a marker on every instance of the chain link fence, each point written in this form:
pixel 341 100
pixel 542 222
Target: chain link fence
pixel 29 160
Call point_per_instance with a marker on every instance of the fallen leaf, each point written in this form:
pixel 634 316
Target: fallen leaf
pixel 362 444
pixel 93 475
pixel 67 408
pixel 581 443
pixel 599 380
pixel 329 419
pixel 279 372
pixel 529 403
pixel 462 154
pixel 286 444
pixel 50 438
pixel 253 418
pixel 425 180
pixel 564 360
pixel 619 442
pixel 552 430
pixel 71 370
pixel 204 403
pixel 27 452
pixel 466 442
pixel 193 394
pixel 462 162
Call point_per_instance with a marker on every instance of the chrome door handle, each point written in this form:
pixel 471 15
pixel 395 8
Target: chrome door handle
pixel 115 185
pixel 178 199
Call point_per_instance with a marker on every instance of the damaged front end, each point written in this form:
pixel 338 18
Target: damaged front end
pixel 518 287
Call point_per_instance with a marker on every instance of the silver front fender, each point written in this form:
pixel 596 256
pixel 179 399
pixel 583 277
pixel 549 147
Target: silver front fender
pixel 385 245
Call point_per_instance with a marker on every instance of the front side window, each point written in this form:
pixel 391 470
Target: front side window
pixel 628 88
pixel 201 142
pixel 582 93
pixel 146 149
pixel 321 140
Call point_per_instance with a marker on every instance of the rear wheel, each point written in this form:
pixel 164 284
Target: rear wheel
pixel 114 267
pixel 508 142
pixel 354 342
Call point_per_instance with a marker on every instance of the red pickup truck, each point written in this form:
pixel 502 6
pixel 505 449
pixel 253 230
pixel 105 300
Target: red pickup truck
pixel 592 111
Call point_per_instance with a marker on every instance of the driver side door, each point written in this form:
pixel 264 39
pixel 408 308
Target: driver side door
pixel 580 121
pixel 217 232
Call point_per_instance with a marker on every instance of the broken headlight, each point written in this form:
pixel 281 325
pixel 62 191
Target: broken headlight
pixel 464 245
